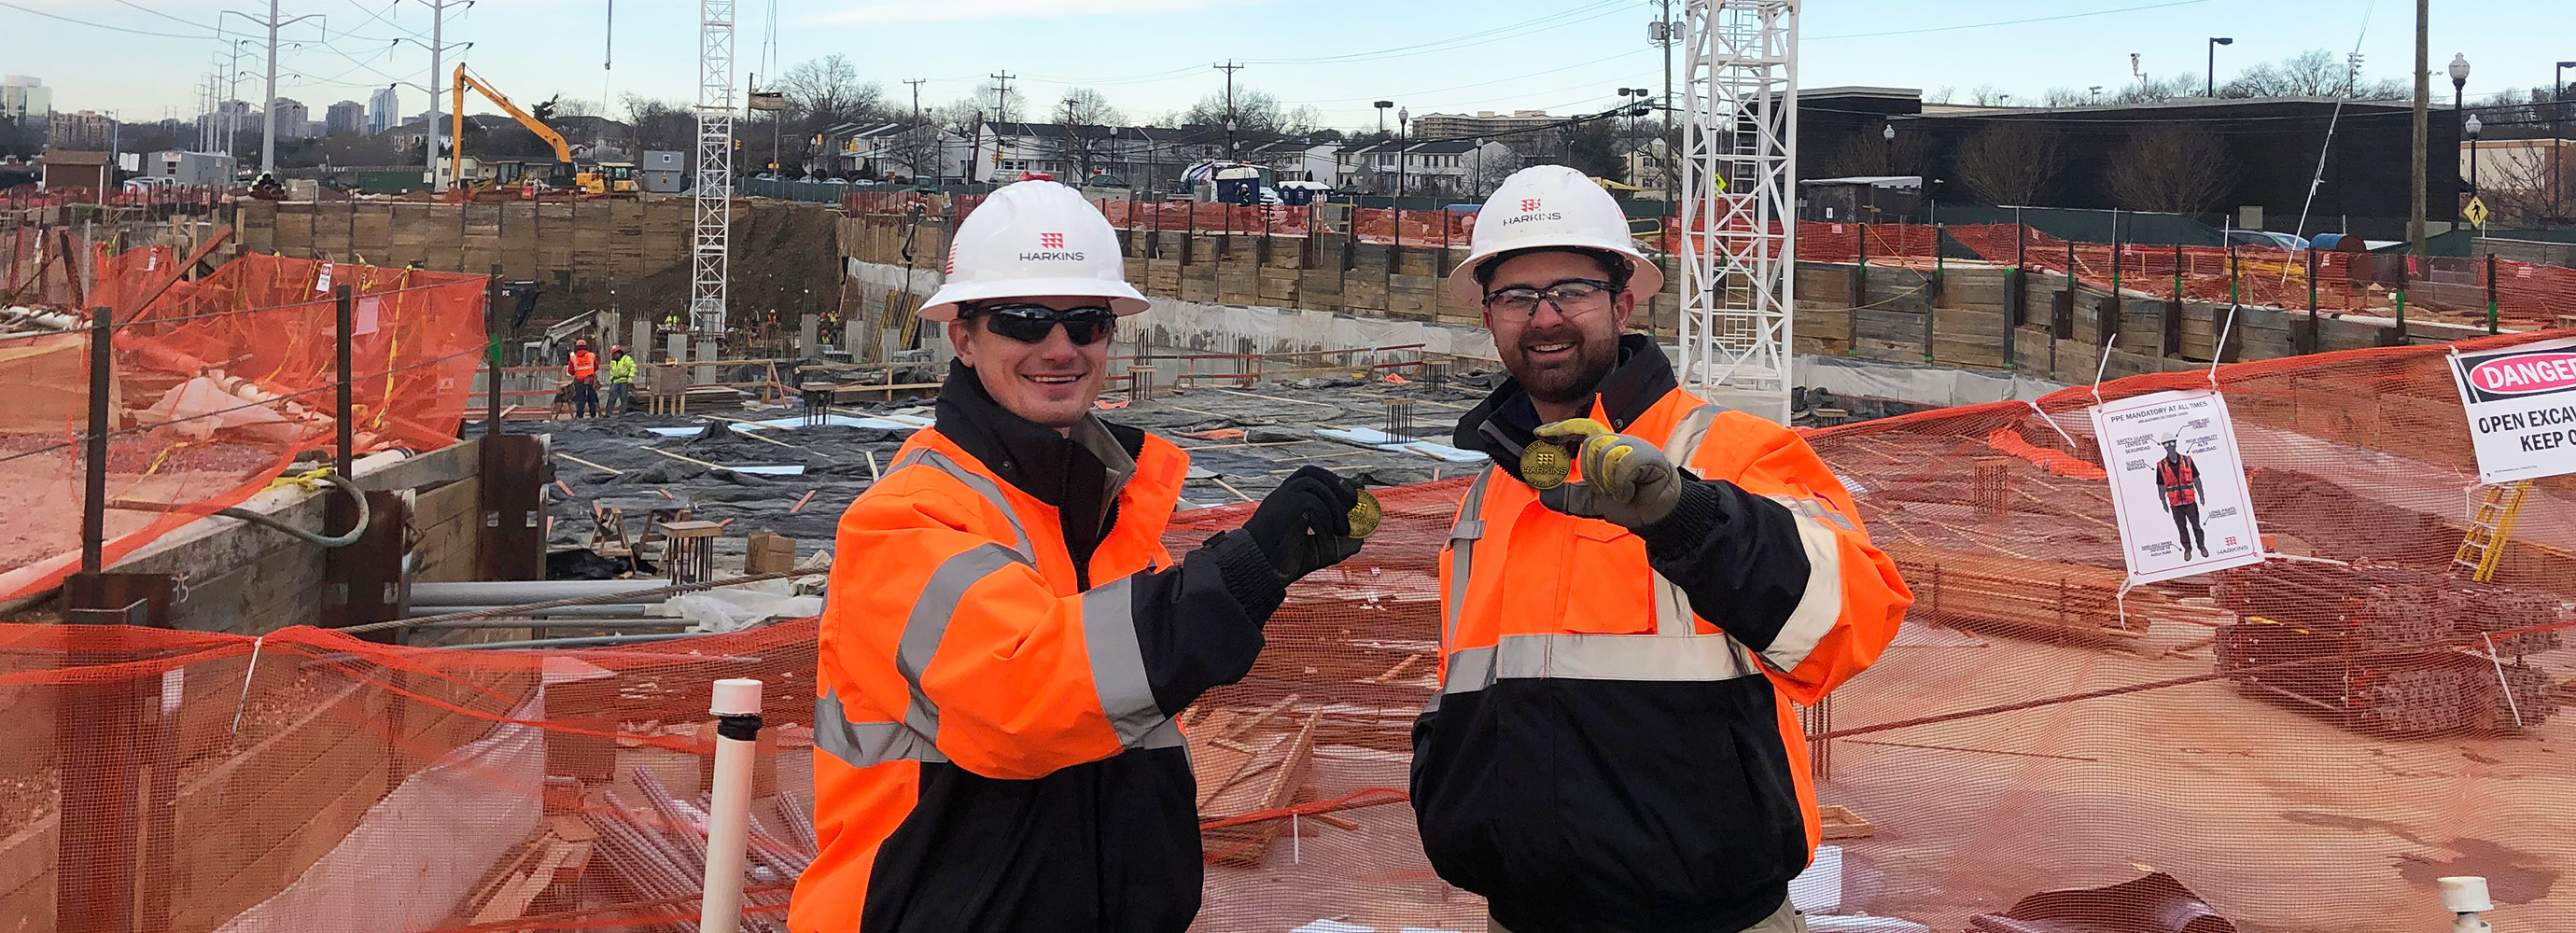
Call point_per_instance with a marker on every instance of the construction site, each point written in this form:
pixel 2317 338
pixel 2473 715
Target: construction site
pixel 320 611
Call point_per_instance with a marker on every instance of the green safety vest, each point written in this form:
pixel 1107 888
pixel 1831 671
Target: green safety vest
pixel 621 369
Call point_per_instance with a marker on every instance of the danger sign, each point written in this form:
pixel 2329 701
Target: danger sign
pixel 2521 404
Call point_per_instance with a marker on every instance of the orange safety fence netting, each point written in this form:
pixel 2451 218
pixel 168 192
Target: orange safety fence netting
pixel 2305 745
pixel 220 383
pixel 1440 228
pixel 2525 294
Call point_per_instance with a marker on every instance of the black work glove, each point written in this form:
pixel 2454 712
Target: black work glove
pixel 1305 524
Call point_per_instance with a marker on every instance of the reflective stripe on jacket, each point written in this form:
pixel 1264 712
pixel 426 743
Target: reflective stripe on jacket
pixel 584 365
pixel 1608 749
pixel 621 369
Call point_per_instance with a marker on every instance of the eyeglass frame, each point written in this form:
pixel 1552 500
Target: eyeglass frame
pixel 1546 294
pixel 1102 316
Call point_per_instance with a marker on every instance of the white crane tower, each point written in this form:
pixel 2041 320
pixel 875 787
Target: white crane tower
pixel 714 184
pixel 1739 197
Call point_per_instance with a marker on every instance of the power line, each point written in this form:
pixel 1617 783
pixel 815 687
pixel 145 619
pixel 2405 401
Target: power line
pixel 82 22
pixel 184 22
pixel 2008 22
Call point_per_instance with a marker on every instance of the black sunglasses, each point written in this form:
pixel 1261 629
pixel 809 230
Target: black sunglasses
pixel 1030 323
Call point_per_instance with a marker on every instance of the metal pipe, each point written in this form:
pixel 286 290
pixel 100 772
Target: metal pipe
pixel 94 473
pixel 611 611
pixel 586 642
pixel 514 592
pixel 572 623
pixel 342 416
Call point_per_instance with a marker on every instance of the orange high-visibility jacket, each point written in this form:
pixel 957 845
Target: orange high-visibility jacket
pixel 584 364
pixel 1610 748
pixel 994 743
pixel 2179 479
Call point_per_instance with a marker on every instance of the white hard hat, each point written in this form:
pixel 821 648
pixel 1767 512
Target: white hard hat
pixel 1031 240
pixel 1550 205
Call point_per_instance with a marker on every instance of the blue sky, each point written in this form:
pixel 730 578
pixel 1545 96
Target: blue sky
pixel 1153 56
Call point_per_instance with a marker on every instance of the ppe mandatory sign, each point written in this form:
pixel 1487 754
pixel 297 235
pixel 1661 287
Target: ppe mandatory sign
pixel 2521 404
pixel 2177 484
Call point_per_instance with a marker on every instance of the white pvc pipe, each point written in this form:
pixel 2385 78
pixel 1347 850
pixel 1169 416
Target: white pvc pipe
pixel 521 592
pixel 736 705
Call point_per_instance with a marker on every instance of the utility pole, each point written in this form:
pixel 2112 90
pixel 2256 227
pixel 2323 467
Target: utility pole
pixel 268 108
pixel 1229 68
pixel 916 97
pixel 2423 129
pixel 1672 179
pixel 429 133
pixel 1002 96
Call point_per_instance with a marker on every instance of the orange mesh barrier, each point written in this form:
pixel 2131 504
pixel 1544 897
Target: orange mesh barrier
pixel 2303 745
pixel 220 384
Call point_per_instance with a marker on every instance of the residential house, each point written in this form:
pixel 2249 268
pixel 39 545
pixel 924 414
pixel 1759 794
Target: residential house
pixel 1444 168
pixel 891 150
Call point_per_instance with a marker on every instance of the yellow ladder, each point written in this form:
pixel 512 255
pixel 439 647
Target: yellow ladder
pixel 2490 525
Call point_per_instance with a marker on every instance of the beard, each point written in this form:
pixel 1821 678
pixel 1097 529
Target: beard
pixel 1564 381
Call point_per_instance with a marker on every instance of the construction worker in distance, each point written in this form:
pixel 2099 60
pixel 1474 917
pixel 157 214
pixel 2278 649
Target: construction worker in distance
pixel 2178 488
pixel 1612 747
pixel 583 367
pixel 1006 641
pixel 621 379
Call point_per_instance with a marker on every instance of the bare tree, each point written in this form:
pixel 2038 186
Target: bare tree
pixel 1256 112
pixel 661 124
pixel 827 90
pixel 1086 121
pixel 2011 163
pixel 2514 182
pixel 1941 95
pixel 1987 95
pixel 919 149
pixel 2182 169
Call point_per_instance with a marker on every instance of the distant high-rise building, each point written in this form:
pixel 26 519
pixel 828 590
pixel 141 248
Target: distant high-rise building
pixel 347 116
pixel 23 98
pixel 86 130
pixel 384 110
pixel 292 118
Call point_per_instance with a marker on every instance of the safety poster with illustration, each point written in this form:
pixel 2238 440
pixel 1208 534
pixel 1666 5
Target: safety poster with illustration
pixel 2177 484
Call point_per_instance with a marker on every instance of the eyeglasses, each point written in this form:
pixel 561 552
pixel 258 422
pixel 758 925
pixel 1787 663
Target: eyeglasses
pixel 1571 297
pixel 1030 323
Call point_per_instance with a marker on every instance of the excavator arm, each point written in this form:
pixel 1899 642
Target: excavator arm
pixel 456 155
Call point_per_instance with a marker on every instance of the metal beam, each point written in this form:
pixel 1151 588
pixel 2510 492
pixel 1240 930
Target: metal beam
pixel 1739 193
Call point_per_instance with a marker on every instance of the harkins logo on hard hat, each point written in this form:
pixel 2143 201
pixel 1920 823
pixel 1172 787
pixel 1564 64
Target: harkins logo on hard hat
pixel 1051 241
pixel 1529 212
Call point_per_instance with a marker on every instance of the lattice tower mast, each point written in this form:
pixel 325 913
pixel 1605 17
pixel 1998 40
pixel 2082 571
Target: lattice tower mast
pixel 707 258
pixel 1739 194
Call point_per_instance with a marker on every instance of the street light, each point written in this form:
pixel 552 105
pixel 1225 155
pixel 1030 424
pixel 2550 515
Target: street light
pixel 1887 134
pixel 1382 140
pixel 2214 43
pixel 2460 80
pixel 2471 130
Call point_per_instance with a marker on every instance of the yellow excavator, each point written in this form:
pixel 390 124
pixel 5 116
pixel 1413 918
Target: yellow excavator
pixel 614 179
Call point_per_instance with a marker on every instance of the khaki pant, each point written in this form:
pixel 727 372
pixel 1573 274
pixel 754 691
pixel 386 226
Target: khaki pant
pixel 1785 920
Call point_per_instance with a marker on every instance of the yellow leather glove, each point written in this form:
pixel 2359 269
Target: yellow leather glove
pixel 1626 480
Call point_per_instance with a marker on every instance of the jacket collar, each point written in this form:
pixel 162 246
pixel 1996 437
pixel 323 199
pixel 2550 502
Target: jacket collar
pixel 1504 422
pixel 1031 457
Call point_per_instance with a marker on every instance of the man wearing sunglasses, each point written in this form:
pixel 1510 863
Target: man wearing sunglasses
pixel 1006 641
pixel 1613 747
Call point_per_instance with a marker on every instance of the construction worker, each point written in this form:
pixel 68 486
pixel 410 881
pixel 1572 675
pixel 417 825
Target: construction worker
pixel 621 378
pixel 2178 488
pixel 583 367
pixel 1006 641
pixel 1612 747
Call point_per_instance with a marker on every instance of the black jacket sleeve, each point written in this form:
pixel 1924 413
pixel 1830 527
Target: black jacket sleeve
pixel 1199 622
pixel 1735 554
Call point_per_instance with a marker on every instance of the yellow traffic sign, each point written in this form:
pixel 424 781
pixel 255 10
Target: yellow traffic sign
pixel 2476 213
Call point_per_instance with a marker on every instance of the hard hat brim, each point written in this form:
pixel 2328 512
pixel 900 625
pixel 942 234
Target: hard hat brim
pixel 1644 277
pixel 1123 298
